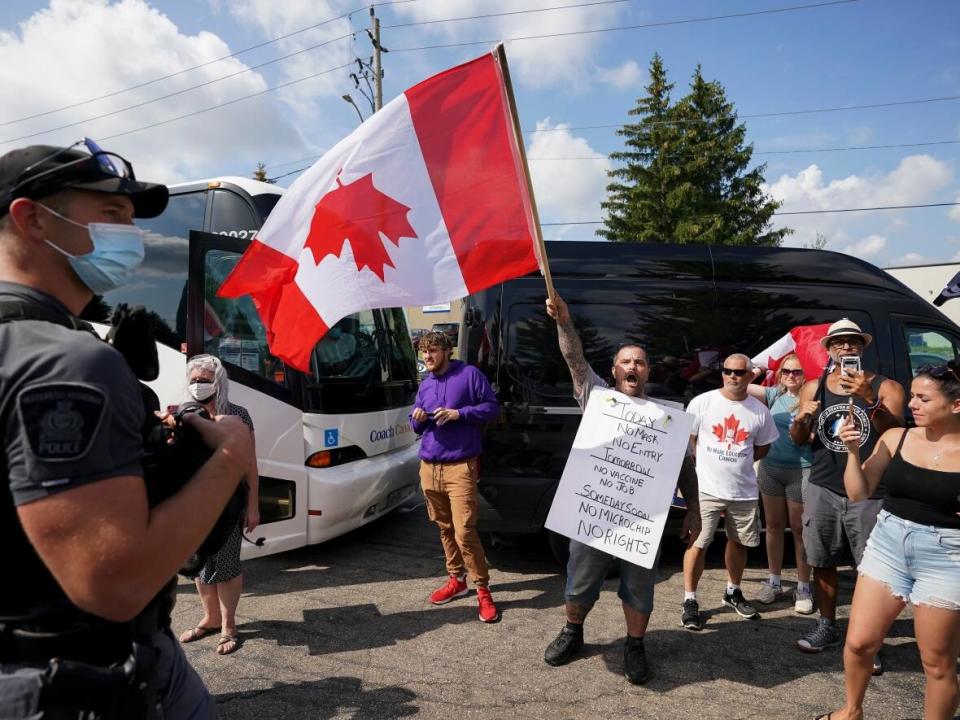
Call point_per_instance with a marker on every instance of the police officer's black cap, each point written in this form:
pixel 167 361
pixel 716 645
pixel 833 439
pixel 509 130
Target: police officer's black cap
pixel 40 170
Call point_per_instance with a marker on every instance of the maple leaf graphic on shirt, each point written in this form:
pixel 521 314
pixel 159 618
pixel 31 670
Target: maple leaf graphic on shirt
pixel 360 213
pixel 730 431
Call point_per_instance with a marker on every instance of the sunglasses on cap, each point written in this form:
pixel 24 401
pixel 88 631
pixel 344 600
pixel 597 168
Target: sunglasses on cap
pixel 731 371
pixel 939 372
pixel 98 162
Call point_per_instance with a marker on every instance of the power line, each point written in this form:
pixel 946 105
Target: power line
pixel 606 157
pixel 258 66
pixel 505 14
pixel 203 64
pixel 796 212
pixel 710 18
pixel 489 42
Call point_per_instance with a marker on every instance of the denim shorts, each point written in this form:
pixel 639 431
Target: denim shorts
pixel 588 568
pixel 919 563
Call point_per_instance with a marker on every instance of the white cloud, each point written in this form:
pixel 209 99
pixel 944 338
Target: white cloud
pixel 94 34
pixel 566 190
pixel 865 249
pixel 320 49
pixel 622 77
pixel 565 61
pixel 913 258
pixel 917 179
pixel 861 135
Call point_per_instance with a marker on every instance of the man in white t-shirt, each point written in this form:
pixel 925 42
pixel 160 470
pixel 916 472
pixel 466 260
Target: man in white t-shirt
pixel 731 431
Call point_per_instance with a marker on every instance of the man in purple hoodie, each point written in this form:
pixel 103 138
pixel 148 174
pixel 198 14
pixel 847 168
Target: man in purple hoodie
pixel 453 403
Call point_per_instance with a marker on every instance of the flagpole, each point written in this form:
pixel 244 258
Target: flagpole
pixel 518 136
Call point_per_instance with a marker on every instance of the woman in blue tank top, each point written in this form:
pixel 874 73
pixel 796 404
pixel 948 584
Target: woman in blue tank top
pixel 913 554
pixel 781 476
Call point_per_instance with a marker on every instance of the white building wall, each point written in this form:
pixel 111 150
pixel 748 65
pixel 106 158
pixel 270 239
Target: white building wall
pixel 927 281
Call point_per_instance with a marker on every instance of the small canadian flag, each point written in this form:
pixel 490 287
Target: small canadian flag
pixel 804 340
pixel 427 201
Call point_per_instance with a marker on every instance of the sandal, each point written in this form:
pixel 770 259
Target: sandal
pixel 197 633
pixel 224 647
pixel 825 717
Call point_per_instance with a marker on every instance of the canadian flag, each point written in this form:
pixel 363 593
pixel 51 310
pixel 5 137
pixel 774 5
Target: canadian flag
pixel 427 201
pixel 804 340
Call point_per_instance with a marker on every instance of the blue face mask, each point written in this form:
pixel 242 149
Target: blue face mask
pixel 117 252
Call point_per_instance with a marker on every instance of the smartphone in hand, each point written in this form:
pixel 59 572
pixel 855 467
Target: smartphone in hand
pixel 850 364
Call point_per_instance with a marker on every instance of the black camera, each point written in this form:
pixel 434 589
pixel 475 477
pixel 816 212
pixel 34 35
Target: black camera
pixel 172 455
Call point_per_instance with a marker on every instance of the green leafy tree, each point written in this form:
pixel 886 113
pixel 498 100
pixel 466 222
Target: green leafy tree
pixel 261 173
pixel 686 174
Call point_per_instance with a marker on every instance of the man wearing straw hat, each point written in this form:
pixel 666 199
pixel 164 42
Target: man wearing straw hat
pixel 875 404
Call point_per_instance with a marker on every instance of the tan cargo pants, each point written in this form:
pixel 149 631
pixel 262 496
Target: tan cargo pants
pixel 451 493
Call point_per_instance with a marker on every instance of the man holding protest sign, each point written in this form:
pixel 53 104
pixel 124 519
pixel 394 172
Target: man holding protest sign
pixel 731 431
pixel 588 566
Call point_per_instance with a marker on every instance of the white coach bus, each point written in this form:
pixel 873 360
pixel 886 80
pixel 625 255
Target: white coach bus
pixel 334 447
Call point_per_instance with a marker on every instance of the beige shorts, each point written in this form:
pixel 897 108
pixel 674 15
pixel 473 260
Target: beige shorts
pixel 741 521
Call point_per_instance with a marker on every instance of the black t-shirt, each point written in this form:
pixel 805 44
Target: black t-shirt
pixel 70 414
pixel 921 495
pixel 829 452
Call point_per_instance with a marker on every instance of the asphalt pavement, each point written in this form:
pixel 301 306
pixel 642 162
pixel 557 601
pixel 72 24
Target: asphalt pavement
pixel 344 630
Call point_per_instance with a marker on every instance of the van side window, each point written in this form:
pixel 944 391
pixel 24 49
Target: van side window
pixel 160 283
pixel 232 216
pixel 232 329
pixel 929 347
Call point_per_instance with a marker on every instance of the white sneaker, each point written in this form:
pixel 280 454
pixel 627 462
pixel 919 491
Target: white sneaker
pixel 769 593
pixel 802 602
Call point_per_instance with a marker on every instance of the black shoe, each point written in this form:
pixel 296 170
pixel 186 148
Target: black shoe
pixel 736 600
pixel 690 618
pixel 563 648
pixel 635 666
pixel 877 664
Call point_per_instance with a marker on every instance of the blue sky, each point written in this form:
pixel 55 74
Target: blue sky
pixel 836 55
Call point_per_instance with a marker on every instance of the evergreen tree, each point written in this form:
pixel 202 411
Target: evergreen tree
pixel 686 176
pixel 639 205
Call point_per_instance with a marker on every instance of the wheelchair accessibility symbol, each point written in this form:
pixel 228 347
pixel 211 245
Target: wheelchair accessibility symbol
pixel 331 438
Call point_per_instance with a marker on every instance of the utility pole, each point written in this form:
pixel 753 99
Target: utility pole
pixel 377 71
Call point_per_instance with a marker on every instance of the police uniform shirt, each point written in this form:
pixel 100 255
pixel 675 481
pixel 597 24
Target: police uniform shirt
pixel 70 408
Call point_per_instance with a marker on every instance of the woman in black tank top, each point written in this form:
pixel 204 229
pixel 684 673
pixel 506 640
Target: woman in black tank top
pixel 914 551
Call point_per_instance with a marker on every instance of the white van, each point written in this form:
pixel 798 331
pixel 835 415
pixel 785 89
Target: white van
pixel 334 446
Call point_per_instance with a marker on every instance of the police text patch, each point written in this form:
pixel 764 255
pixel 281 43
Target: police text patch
pixel 60 420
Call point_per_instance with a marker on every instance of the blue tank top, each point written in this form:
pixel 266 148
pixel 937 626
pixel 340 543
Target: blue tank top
pixel 785 453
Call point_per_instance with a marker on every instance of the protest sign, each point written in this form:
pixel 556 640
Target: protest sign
pixel 618 482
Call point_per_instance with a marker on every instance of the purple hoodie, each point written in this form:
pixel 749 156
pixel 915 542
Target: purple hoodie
pixel 462 387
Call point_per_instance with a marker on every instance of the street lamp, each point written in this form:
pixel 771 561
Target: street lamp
pixel 349 100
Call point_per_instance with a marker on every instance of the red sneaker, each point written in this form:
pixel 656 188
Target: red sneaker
pixel 455 587
pixel 488 611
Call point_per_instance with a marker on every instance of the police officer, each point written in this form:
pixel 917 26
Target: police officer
pixel 90 558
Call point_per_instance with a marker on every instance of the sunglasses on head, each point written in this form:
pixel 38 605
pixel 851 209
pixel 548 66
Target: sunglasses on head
pixel 731 371
pixel 98 162
pixel 939 372
pixel 794 373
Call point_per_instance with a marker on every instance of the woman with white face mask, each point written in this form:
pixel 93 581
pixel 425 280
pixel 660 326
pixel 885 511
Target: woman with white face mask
pixel 220 581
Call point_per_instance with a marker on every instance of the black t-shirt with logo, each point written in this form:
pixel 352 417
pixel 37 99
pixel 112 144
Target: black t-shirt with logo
pixel 829 452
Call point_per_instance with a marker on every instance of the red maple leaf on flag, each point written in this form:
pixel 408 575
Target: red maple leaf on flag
pixel 360 213
pixel 730 431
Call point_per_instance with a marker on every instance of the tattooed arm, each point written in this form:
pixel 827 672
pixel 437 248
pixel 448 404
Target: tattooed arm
pixel 570 345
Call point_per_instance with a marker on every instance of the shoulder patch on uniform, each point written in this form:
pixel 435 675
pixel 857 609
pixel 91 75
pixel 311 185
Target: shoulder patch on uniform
pixel 60 420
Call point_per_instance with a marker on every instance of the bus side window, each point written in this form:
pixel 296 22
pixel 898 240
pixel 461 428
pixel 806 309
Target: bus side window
pixel 232 216
pixel 232 329
pixel 160 283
